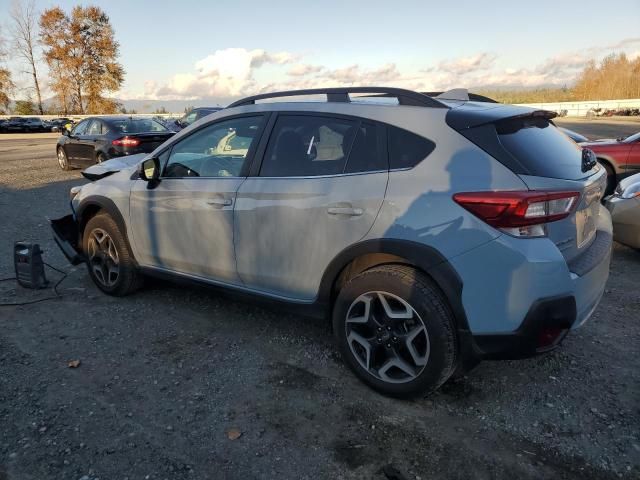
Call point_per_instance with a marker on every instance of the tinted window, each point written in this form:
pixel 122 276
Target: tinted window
pixel 407 149
pixel 304 145
pixel 218 150
pixel 541 147
pixel 81 128
pixel 366 154
pixel 95 128
pixel 136 125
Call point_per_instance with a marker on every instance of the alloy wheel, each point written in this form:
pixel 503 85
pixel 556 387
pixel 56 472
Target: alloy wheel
pixel 387 337
pixel 62 158
pixel 103 257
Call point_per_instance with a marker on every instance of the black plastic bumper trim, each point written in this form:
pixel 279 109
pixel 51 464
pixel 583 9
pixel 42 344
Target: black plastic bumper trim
pixel 65 234
pixel 557 312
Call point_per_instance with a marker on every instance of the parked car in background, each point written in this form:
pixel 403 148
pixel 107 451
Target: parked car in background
pixel 33 124
pixel 427 252
pixel 193 116
pixel 25 125
pixel 624 206
pixel 3 122
pixel 621 157
pixel 15 125
pixel 97 139
pixel 575 136
pixel 59 124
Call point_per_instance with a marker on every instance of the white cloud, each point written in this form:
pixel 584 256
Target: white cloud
pixel 302 69
pixel 226 73
pixel 234 72
pixel 465 65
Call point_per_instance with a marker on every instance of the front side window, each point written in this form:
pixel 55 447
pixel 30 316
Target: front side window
pixel 81 128
pixel 305 145
pixel 217 150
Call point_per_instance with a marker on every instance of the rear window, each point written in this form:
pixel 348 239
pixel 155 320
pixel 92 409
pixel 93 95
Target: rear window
pixel 541 148
pixel 134 125
pixel 406 149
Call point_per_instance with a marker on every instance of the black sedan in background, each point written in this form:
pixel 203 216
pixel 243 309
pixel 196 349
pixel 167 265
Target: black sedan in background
pixel 97 139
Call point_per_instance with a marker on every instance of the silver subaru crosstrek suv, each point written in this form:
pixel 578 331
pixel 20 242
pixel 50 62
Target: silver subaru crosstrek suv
pixel 433 230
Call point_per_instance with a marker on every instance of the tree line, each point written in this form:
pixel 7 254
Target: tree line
pixel 615 77
pixel 81 54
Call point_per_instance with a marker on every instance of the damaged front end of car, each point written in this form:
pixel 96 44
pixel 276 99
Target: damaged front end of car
pixel 67 236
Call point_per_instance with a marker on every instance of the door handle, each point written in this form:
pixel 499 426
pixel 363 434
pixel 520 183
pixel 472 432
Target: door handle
pixel 220 202
pixel 350 211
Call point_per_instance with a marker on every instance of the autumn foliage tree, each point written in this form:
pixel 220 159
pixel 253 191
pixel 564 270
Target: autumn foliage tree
pixel 82 54
pixel 616 77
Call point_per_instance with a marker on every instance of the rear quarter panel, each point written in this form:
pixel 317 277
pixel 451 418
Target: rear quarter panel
pixel 419 203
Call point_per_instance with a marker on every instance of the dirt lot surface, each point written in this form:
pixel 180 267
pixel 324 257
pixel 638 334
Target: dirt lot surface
pixel 167 377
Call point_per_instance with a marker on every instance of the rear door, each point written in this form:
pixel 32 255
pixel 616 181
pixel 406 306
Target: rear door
pixel 185 223
pixel 318 190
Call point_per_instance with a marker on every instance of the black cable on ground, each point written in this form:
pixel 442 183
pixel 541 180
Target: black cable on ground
pixel 38 300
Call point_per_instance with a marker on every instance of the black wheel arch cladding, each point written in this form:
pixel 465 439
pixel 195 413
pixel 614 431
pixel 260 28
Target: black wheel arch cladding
pixel 420 256
pixel 93 204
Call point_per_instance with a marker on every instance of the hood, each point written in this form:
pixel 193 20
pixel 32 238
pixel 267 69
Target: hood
pixel 104 169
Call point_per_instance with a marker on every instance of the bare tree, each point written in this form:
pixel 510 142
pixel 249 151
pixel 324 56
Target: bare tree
pixel 25 39
pixel 6 85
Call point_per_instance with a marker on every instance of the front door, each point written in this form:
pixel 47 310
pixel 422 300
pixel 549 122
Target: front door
pixel 185 223
pixel 321 184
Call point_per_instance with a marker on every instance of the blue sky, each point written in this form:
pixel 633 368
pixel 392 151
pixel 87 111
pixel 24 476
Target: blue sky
pixel 220 50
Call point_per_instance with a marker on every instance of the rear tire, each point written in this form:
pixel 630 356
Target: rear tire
pixel 100 158
pixel 395 330
pixel 63 160
pixel 109 261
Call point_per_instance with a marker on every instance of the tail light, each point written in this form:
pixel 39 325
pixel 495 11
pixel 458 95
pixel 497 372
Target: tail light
pixel 519 213
pixel 126 142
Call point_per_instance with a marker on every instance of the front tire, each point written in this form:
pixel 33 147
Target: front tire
pixel 100 158
pixel 109 261
pixel 395 330
pixel 63 160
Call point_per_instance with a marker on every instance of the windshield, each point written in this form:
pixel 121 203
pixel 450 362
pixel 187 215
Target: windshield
pixel 137 125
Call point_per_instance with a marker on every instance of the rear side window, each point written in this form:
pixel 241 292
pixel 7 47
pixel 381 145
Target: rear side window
pixel 406 149
pixel 543 149
pixel 366 153
pixel 305 145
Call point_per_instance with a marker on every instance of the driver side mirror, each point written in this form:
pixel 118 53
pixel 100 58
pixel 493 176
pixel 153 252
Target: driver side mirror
pixel 150 170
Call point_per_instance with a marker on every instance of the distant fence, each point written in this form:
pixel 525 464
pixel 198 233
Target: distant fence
pixel 580 109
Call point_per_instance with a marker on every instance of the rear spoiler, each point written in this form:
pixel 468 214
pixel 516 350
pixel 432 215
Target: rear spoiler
pixel 464 117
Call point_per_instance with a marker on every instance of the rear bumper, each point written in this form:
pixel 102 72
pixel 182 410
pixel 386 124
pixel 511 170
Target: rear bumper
pixel 66 235
pixel 521 297
pixel 546 324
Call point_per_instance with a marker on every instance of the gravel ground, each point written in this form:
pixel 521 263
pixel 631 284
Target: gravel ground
pixel 170 376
